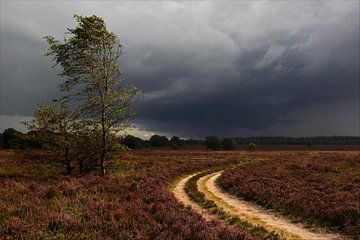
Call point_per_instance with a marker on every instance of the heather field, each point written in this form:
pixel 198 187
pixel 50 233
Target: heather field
pixel 322 188
pixel 37 201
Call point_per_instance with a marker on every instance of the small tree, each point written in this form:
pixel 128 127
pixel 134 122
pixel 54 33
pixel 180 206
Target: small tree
pixel 175 142
pixel 88 59
pixel 192 141
pixel 213 143
pixel 56 128
pixel 13 139
pixel 1 141
pixel 252 146
pixel 133 142
pixel 159 141
pixel 227 144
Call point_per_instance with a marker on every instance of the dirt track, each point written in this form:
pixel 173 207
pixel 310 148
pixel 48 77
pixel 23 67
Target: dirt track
pixel 246 211
pixel 182 196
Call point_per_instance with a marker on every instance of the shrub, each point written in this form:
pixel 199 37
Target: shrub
pixel 1 141
pixel 175 142
pixel 13 139
pixel 252 146
pixel 159 141
pixel 133 142
pixel 51 193
pixel 227 144
pixel 213 142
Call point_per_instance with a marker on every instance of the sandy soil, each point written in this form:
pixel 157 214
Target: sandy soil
pixel 258 215
pixel 182 196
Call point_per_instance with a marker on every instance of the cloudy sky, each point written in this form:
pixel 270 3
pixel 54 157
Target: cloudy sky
pixel 228 68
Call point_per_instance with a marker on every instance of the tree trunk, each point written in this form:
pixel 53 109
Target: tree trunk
pixel 68 162
pixel 103 128
pixel 103 168
pixel 103 154
pixel 81 166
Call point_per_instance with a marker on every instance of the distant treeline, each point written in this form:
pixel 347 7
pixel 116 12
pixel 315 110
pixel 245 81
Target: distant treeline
pixel 13 139
pixel 159 141
pixel 175 142
pixel 336 140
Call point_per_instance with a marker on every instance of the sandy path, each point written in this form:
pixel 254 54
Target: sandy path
pixel 256 214
pixel 182 196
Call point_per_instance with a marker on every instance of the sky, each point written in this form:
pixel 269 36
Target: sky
pixel 237 68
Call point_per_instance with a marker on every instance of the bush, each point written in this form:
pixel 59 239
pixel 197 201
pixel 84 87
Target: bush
pixel 159 141
pixel 13 139
pixel 227 144
pixel 33 140
pixel 192 141
pixel 252 146
pixel 213 142
pixel 16 143
pixel 1 141
pixel 133 142
pixel 175 142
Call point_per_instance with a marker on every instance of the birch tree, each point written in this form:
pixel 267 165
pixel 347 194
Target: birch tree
pixel 88 60
pixel 55 127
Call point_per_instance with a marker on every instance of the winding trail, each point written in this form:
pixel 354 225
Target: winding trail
pixel 183 197
pixel 246 211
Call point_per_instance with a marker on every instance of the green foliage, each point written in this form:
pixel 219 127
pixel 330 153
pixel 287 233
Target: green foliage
pixel 175 142
pixel 213 143
pixel 13 139
pixel 56 127
pixel 133 142
pixel 252 146
pixel 192 141
pixel 333 140
pixel 1 141
pixel 159 141
pixel 227 144
pixel 88 60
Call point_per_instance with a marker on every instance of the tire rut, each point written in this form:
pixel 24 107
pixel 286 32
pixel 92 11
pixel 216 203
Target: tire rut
pixel 257 215
pixel 246 211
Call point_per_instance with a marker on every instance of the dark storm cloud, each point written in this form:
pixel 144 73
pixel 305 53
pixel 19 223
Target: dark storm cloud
pixel 26 75
pixel 268 83
pixel 248 68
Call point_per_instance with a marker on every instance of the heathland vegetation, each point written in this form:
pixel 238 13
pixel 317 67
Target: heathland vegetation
pixel 37 201
pixel 318 188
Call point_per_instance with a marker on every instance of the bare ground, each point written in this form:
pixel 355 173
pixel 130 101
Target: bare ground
pixel 257 215
pixel 182 196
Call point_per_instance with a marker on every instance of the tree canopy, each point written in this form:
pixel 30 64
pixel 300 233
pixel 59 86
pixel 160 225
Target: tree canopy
pixel 95 97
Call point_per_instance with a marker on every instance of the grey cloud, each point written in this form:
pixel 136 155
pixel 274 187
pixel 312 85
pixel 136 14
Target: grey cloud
pixel 227 68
